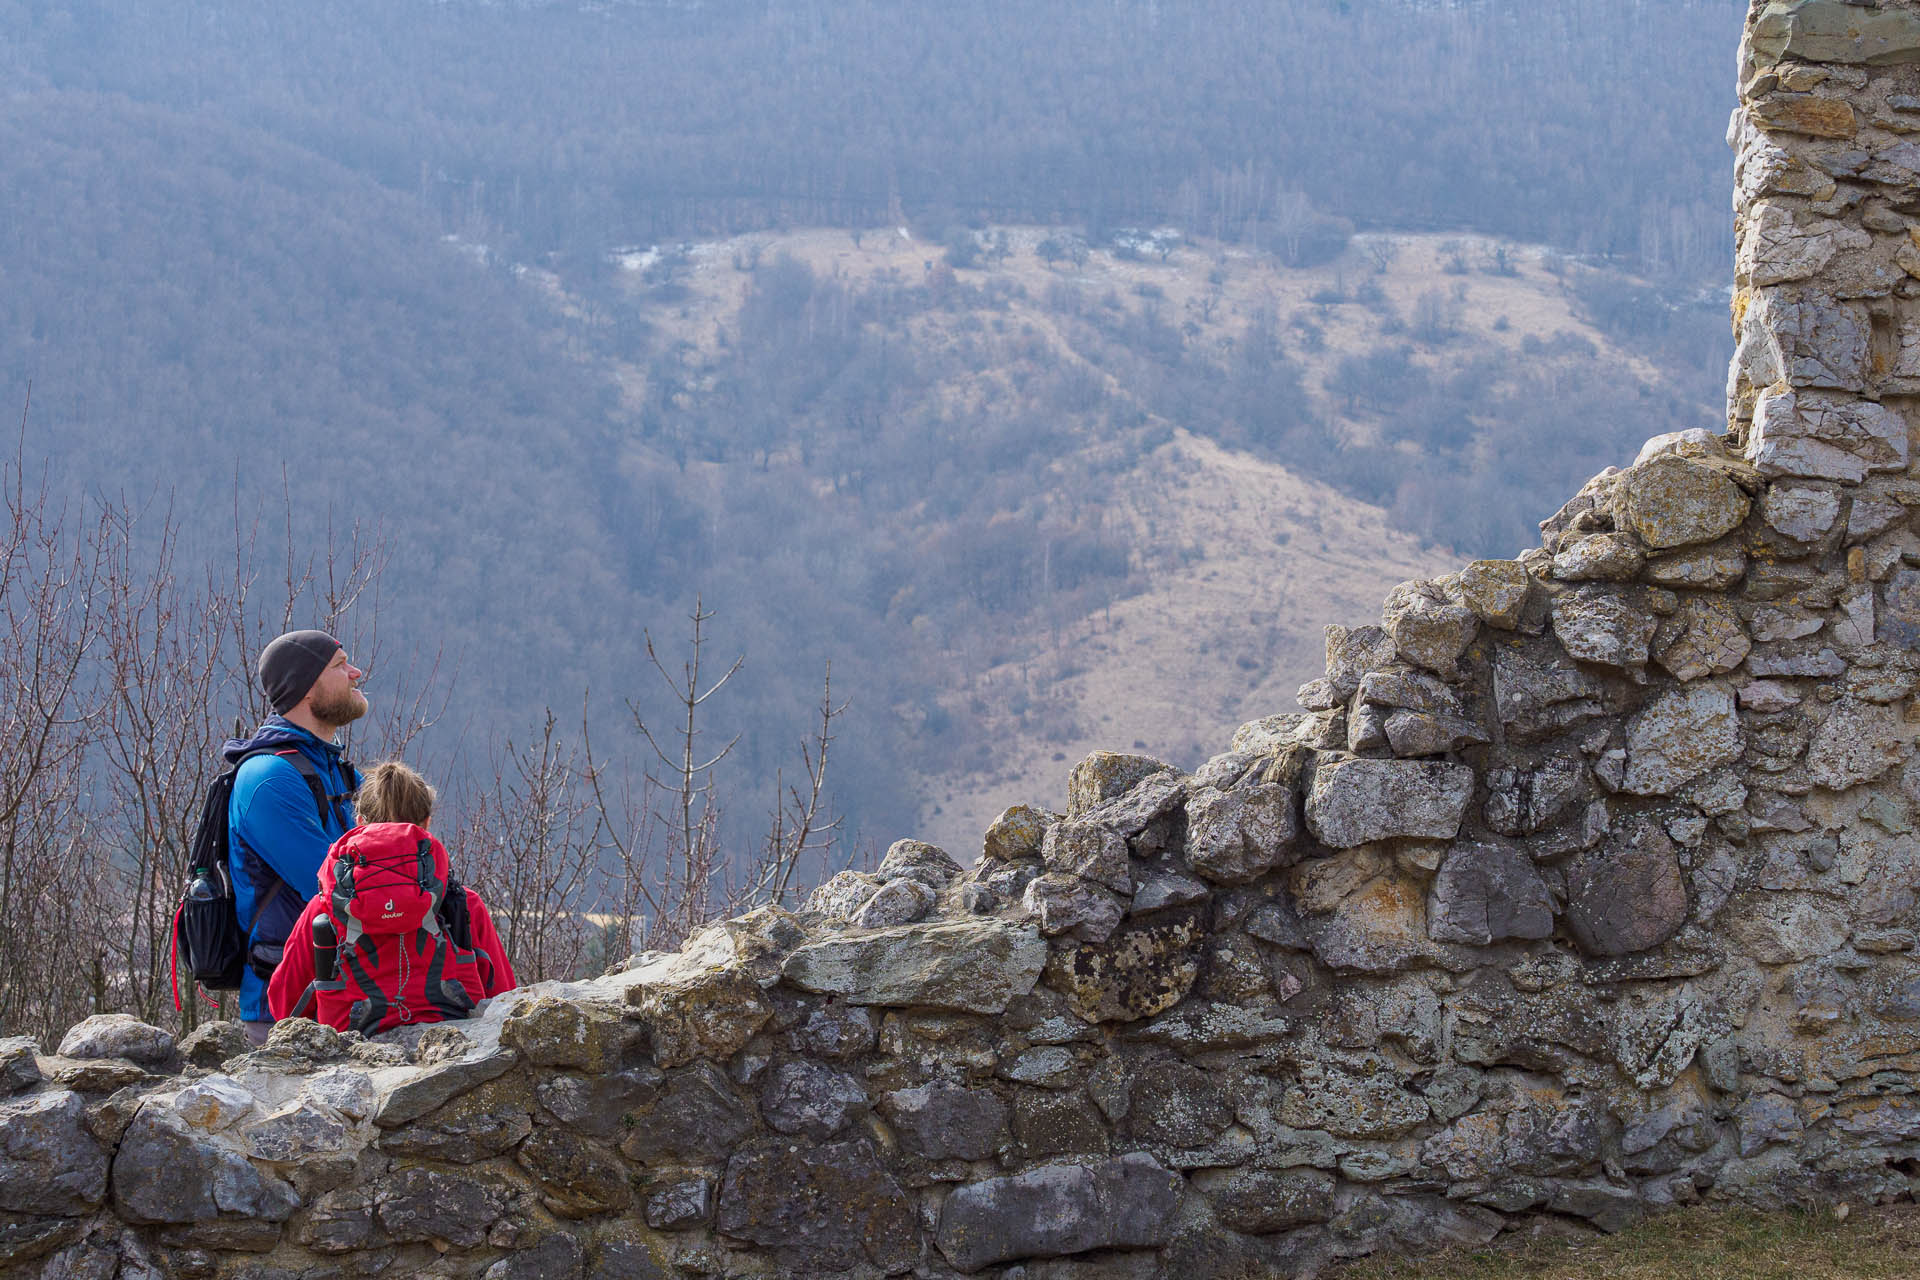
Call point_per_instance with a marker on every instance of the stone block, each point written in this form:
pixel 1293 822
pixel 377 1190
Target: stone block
pixel 1704 638
pixel 1604 627
pixel 118 1035
pixel 901 900
pixel 810 1099
pixel 215 1102
pixel 1835 31
pixel 1856 743
pixel 1016 833
pixel 695 1114
pixel 19 1065
pixel 676 1202
pixel 1429 627
pixel 917 860
pixel 555 1257
pixel 1680 735
pixel 1263 1201
pixel 49 1162
pixel 1604 557
pixel 1239 835
pixel 1671 502
pixel 430 1204
pixel 1496 591
pixel 1132 812
pixel 487 1122
pixel 1813 343
pixel 1416 733
pixel 1146 968
pixel 551 1032
pixel 594 1105
pixel 942 1121
pixel 824 1208
pixel 1354 802
pixel 696 1012
pixel 297 1133
pixel 1105 775
pixel 977 966
pixel 1061 1209
pixel 577 1177
pixel 1816 436
pixel 1800 512
pixel 409 1094
pixel 1786 928
pixel 1066 904
pixel 842 895
pixel 1090 851
pixel 1351 654
pixel 1485 894
pixel 168 1171
pixel 1627 895
pixel 1523 801
pixel 1712 568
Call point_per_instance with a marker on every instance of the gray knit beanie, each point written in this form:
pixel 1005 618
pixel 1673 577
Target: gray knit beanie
pixel 290 665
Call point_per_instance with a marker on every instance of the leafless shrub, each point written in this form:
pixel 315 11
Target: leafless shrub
pixel 676 881
pixel 164 676
pixel 800 825
pixel 528 844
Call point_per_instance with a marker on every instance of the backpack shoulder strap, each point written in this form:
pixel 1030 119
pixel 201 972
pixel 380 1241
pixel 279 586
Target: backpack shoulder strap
pixel 306 770
pixel 298 759
pixel 323 801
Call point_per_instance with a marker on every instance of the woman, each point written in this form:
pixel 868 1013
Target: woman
pixel 405 941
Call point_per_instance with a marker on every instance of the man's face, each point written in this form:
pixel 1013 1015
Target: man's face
pixel 333 698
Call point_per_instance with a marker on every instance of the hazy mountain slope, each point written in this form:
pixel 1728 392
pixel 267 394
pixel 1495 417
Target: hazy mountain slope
pixel 569 127
pixel 1231 558
pixel 216 321
pixel 1245 563
pixel 223 263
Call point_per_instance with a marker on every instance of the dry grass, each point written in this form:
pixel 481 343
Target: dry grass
pixel 1696 1244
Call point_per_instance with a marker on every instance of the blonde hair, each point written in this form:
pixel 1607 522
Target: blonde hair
pixel 392 792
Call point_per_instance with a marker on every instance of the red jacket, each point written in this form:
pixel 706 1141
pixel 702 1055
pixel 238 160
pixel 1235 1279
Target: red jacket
pixel 291 978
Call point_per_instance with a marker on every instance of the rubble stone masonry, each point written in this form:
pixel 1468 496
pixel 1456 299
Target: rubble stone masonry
pixel 1585 884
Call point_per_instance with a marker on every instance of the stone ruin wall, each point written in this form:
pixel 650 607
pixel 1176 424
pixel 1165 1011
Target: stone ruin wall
pixel 1584 886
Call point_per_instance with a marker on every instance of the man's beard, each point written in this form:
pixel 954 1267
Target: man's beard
pixel 344 710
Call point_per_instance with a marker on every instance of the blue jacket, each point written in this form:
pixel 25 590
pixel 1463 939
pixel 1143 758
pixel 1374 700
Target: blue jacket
pixel 276 839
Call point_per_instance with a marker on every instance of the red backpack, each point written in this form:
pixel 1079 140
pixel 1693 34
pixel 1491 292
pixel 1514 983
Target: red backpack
pixel 383 884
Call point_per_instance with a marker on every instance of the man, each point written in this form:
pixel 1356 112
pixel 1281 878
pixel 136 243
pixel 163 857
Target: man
pixel 291 800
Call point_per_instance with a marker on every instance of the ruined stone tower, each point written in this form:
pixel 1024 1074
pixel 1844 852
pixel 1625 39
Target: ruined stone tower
pixel 1585 883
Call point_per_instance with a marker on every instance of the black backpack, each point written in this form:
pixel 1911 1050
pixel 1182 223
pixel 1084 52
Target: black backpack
pixel 207 935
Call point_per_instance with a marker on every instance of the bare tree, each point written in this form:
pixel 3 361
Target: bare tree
pixel 528 842
pixel 684 897
pixel 164 676
pixel 799 825
pixel 666 872
pixel 50 624
pixel 628 829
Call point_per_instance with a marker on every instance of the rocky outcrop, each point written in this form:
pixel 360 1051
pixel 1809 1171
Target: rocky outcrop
pixel 1585 883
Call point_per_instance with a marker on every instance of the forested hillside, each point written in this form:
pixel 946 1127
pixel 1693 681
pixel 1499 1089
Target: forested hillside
pixel 572 126
pixel 363 254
